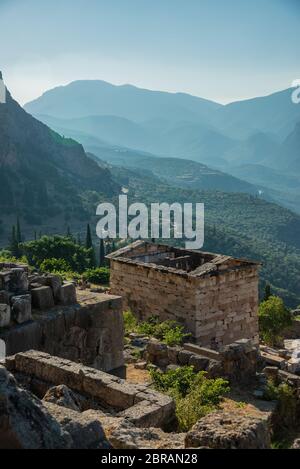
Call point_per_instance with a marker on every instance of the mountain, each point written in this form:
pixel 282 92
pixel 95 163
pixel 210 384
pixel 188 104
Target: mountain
pixel 176 172
pixel 46 179
pixel 95 97
pixel 275 114
pixel 290 151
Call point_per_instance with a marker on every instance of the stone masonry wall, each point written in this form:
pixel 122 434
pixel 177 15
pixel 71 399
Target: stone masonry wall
pixel 90 332
pixel 216 309
pixel 142 406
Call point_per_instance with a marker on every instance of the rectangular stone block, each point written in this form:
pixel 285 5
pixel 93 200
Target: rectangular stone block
pixel 42 298
pixel 5 315
pixel 21 308
pixel 67 294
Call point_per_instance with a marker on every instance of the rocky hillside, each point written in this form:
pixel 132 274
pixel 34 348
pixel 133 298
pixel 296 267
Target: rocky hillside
pixel 45 178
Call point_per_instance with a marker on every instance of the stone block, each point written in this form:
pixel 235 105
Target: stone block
pixel 21 308
pixel 5 297
pixel 199 363
pixel 67 294
pixel 228 430
pixel 5 315
pixel 55 282
pixel 42 298
pixel 184 357
pixel 18 280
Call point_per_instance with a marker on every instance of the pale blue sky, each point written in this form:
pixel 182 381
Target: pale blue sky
pixel 222 50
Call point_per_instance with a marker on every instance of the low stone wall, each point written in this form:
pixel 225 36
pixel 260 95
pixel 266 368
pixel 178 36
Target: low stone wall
pixel 21 293
pixel 90 332
pixel 140 405
pixel 237 361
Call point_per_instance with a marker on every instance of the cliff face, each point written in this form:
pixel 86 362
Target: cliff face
pixel 40 169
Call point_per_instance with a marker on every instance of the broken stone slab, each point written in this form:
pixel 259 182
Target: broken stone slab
pixel 184 357
pixel 42 298
pixel 62 396
pixel 84 428
pixel 123 434
pixel 5 297
pixel 21 308
pixel 25 422
pixel 199 363
pixel 55 282
pixel 228 430
pixel 5 315
pixel 18 280
pixel 67 294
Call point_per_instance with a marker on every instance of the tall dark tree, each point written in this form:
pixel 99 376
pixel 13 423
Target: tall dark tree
pixel 89 245
pixel 14 245
pixel 267 292
pixel 88 239
pixel 101 253
pixel 18 232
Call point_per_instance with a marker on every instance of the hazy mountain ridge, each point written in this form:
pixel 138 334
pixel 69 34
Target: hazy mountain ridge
pixel 44 176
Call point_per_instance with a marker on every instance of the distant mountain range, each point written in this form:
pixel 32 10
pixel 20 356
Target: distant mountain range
pixel 263 131
pixel 50 182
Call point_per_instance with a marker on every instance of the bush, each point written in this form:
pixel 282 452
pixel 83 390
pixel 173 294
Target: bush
pixel 273 318
pixel 178 381
pixel 77 257
pixel 55 265
pixel 169 332
pixel 99 275
pixel 204 397
pixel 287 403
pixel 194 394
pixel 130 322
pixel 149 327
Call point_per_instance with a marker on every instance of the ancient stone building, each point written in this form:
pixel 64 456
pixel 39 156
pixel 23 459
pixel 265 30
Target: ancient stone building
pixel 214 296
pixel 43 313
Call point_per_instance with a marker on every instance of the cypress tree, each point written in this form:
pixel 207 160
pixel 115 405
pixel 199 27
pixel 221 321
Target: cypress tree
pixel 267 292
pixel 101 253
pixel 14 246
pixel 88 240
pixel 18 232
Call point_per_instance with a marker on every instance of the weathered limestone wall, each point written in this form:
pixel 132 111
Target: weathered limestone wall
pixel 140 405
pixel 90 332
pixel 216 309
pixel 147 291
pixel 227 307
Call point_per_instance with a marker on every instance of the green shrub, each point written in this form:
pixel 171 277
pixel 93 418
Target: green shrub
pixel 130 322
pixel 194 394
pixel 177 382
pixel 149 327
pixel 287 404
pixel 77 257
pixel 169 332
pixel 273 318
pixel 99 275
pixel 55 265
pixel 203 398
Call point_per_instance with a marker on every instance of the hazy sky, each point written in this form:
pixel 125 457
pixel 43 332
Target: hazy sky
pixel 219 49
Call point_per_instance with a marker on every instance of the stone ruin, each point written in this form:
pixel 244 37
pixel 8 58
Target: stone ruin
pixel 43 313
pixel 21 292
pixel 68 405
pixel 214 296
